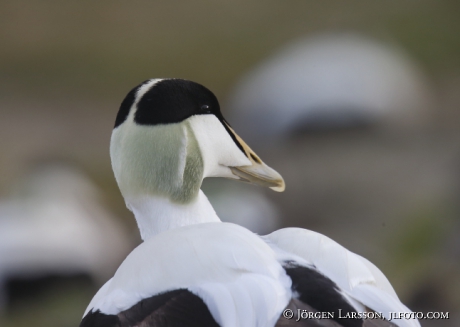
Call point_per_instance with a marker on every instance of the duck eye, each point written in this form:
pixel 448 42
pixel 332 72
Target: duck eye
pixel 205 108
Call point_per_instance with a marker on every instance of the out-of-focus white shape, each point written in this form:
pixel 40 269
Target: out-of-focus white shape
pixel 329 81
pixel 56 225
pixel 243 205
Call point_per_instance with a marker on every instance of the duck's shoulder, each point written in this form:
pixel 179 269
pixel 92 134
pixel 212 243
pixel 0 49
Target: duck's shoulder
pixel 334 260
pixel 223 265
pixel 197 247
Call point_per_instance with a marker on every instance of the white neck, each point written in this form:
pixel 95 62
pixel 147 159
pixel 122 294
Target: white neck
pixel 157 214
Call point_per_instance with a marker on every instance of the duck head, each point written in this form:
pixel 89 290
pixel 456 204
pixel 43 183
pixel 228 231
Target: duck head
pixel 169 135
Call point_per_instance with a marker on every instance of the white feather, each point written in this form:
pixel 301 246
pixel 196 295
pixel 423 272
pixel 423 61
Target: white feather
pixel 356 277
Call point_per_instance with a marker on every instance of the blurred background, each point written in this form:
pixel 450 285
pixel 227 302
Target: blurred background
pixel 356 104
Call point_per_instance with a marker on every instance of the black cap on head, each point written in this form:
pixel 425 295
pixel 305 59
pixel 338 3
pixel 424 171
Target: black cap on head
pixel 169 101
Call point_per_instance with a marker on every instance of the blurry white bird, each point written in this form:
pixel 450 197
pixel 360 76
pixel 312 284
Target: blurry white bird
pixel 330 81
pixel 194 270
pixel 56 226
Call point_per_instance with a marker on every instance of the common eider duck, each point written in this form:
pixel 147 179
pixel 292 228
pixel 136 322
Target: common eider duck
pixel 194 270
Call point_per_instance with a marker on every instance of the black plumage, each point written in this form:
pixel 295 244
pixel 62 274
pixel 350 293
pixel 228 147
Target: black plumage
pixel 178 308
pixel 318 291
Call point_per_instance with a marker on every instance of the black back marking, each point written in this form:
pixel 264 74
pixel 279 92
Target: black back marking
pixel 321 293
pixel 98 319
pixel 178 308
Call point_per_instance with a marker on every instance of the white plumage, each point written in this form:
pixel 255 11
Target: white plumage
pixel 357 277
pixel 235 273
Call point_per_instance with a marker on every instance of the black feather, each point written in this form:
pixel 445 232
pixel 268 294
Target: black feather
pixel 318 291
pixel 178 308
